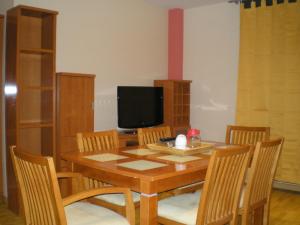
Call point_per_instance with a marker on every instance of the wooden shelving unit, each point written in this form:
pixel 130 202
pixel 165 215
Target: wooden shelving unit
pixel 176 104
pixel 30 77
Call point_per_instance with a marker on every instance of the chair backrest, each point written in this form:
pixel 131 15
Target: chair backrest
pixel 106 141
pixel 222 187
pixel 246 135
pixel 152 134
pixel 261 175
pixel 36 177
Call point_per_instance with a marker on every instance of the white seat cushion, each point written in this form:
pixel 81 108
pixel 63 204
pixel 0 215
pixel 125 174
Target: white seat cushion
pixel 181 208
pixel 118 199
pixel 83 213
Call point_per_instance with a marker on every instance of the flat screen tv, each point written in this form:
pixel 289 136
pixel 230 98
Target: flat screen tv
pixel 140 106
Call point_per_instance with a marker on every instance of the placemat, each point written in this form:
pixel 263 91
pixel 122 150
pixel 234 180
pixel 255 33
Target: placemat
pixel 142 165
pixel 105 157
pixel 140 151
pixel 180 159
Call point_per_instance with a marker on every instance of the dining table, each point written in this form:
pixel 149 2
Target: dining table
pixel 142 170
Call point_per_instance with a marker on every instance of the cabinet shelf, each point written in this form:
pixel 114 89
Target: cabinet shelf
pixel 36 51
pixel 38 88
pixel 182 105
pixel 181 95
pixel 35 124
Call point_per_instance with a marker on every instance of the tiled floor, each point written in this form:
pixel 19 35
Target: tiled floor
pixel 285 209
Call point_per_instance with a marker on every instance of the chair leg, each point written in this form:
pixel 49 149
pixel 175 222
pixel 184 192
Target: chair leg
pixel 258 217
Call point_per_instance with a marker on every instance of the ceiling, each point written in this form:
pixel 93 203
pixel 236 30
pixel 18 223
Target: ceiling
pixel 184 4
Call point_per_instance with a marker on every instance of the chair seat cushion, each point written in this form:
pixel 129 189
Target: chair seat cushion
pixel 180 208
pixel 118 199
pixel 83 213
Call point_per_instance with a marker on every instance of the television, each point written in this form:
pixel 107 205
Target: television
pixel 140 106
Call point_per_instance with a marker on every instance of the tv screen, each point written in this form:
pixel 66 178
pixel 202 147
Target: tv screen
pixel 140 106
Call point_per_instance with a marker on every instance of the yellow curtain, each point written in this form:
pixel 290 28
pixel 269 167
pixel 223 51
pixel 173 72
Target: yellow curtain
pixel 269 77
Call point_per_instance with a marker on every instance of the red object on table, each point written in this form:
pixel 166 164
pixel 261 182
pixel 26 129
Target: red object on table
pixel 193 133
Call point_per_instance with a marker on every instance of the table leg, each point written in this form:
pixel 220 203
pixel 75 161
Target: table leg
pixel 148 209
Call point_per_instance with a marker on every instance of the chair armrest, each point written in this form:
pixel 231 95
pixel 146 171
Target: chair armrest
pixel 130 213
pixel 97 191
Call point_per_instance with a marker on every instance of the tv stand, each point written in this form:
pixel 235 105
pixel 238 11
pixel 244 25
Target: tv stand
pixel 128 138
pixel 129 131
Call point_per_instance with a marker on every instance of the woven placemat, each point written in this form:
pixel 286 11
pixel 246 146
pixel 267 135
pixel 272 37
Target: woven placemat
pixel 142 165
pixel 105 157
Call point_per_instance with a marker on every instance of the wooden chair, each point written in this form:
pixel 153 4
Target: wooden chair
pixel 42 201
pixel 238 135
pixel 103 141
pixel 152 134
pixel 256 198
pixel 106 141
pixel 217 203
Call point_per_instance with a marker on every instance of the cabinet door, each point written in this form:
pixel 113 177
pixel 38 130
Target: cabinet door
pixel 75 113
pixel 75 108
pixel 76 105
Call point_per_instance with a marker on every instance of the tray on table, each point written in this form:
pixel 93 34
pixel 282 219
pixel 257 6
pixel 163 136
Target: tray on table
pixel 200 148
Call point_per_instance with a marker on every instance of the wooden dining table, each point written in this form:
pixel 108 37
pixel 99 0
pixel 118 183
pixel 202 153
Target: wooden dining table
pixel 149 182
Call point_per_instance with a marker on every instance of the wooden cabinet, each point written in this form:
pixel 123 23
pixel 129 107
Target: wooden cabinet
pixel 75 113
pixel 176 104
pixel 29 86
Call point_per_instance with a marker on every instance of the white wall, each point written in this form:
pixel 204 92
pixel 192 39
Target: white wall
pixel 211 43
pixel 5 5
pixel 122 42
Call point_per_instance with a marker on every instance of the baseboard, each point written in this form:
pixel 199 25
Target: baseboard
pixel 286 186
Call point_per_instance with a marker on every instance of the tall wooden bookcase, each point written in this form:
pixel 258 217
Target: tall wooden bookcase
pixel 29 86
pixel 176 104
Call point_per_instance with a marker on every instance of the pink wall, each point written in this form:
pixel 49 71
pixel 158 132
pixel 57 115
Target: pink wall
pixel 175 44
